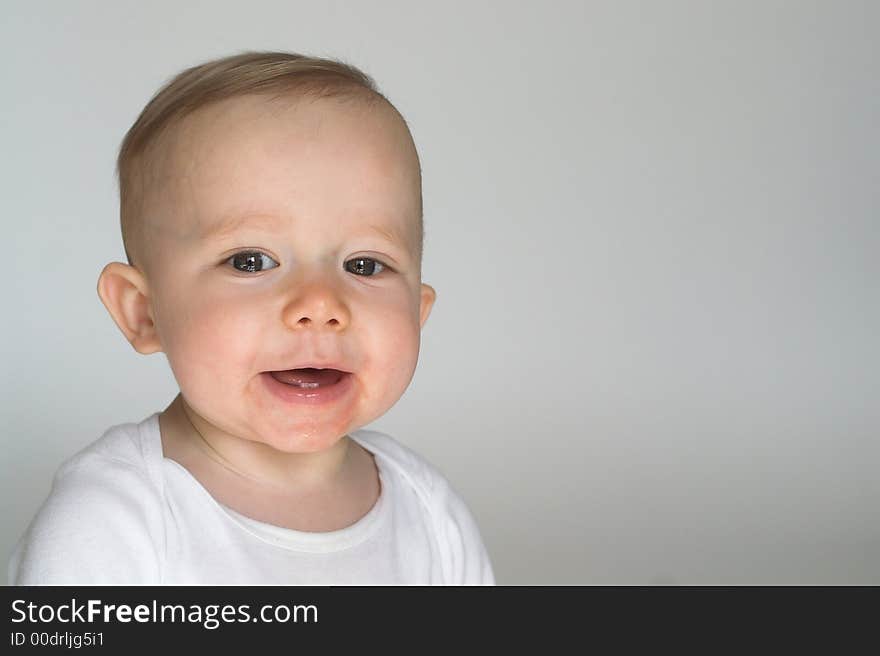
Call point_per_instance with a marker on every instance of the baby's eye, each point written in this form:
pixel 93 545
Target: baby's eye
pixel 250 261
pixel 364 266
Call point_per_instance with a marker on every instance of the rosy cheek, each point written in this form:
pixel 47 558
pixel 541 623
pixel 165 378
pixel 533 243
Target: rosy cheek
pixel 210 338
pixel 398 344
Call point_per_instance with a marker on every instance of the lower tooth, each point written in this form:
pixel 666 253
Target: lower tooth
pixel 308 385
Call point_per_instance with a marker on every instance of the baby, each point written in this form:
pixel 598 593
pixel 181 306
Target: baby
pixel 271 214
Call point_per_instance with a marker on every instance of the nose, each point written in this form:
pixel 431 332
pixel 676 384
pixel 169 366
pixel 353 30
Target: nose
pixel 318 305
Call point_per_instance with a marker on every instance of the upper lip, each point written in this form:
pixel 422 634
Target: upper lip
pixel 316 364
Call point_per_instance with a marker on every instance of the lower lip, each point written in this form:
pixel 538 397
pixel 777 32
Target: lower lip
pixel 308 396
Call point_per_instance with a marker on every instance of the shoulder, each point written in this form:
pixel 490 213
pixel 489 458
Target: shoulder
pixel 467 560
pixel 122 462
pixel 418 472
pixel 102 521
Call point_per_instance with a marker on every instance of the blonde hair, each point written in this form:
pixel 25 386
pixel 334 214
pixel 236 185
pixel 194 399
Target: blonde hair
pixel 274 73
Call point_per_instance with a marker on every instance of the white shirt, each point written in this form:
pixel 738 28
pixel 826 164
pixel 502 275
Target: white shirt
pixel 119 512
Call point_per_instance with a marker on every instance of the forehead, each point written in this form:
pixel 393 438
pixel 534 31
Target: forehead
pixel 340 162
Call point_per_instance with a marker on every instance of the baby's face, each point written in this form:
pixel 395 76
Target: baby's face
pixel 284 236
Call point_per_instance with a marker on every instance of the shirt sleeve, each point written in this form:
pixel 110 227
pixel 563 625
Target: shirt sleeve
pixel 468 560
pixel 463 557
pixel 100 525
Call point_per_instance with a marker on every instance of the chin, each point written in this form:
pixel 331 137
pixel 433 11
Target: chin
pixel 303 439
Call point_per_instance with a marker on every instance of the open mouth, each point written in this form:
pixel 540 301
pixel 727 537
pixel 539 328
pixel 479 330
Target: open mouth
pixel 310 386
pixel 309 378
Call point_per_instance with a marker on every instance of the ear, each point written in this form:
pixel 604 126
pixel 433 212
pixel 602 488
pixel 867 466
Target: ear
pixel 125 293
pixel 428 298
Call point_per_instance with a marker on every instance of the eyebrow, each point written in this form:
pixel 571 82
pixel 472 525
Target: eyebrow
pixel 269 222
pixel 389 234
pixel 233 223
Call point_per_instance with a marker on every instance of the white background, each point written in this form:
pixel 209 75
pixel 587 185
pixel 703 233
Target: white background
pixel 652 226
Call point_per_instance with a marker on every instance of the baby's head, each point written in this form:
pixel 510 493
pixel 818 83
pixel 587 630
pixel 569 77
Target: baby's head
pixel 271 214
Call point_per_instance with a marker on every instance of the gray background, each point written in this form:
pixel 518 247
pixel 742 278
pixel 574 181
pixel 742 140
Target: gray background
pixel 653 230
